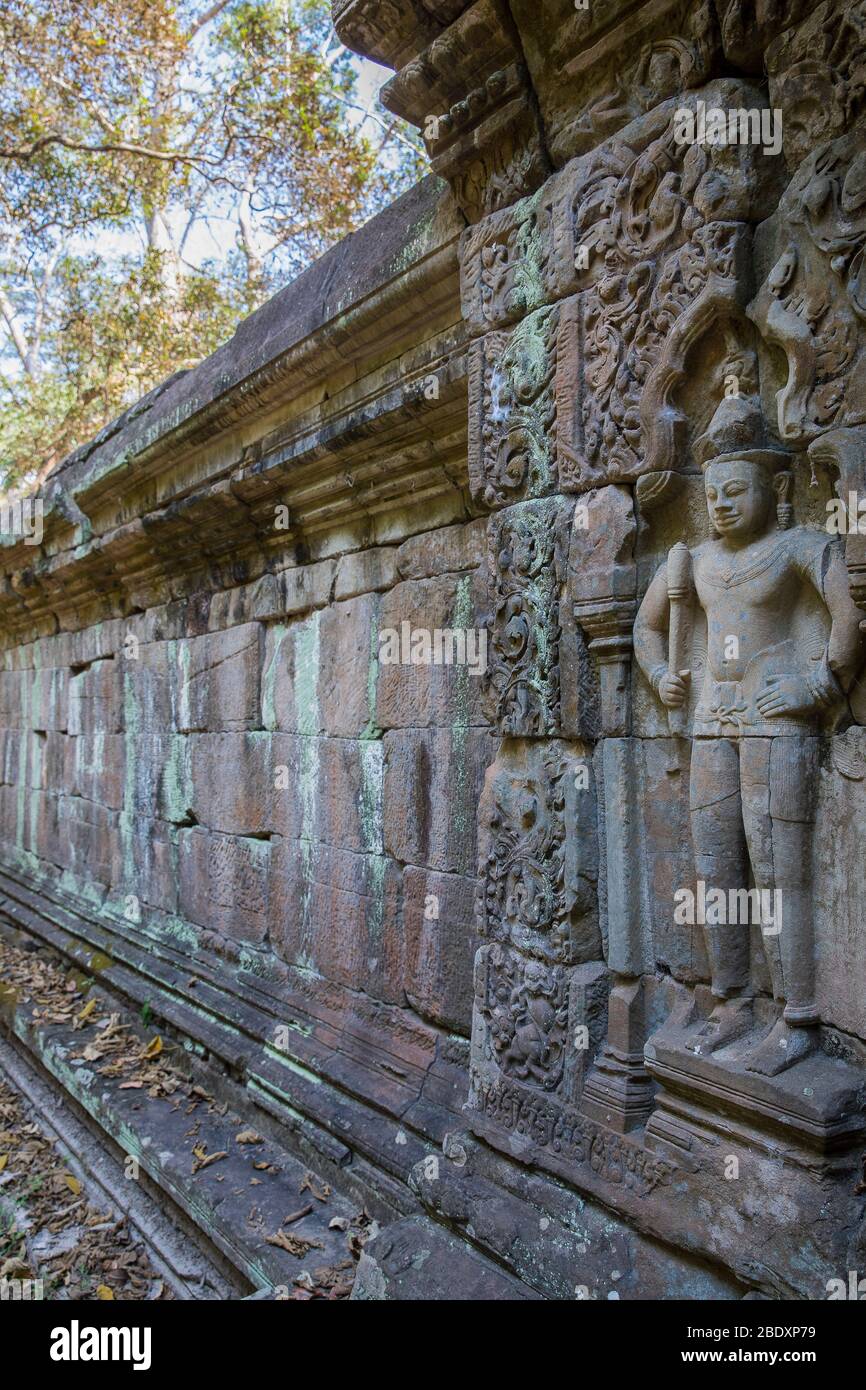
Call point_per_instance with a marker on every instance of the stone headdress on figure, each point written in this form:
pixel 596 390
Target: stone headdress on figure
pixel 738 431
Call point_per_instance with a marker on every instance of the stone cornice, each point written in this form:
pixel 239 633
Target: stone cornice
pixel 326 402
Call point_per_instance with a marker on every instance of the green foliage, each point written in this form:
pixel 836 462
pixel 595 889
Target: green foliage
pixel 135 135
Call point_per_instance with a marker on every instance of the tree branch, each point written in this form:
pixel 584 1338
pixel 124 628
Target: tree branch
pixel 207 17
pixel 15 331
pixel 53 137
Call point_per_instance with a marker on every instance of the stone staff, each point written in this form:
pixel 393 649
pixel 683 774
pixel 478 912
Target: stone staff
pixel 679 582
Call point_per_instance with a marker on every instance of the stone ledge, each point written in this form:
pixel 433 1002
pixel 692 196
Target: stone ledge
pixel 342 1096
pixel 216 1198
pixel 415 1261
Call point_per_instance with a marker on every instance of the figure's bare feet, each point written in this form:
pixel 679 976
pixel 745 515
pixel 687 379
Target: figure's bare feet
pixel 781 1048
pixel 728 1021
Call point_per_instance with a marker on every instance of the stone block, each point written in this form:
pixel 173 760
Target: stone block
pixel 145 865
pixel 10 756
pixel 232 782
pixel 338 913
pixel 320 672
pixel 223 882
pixel 290 592
pixel 433 780
pixel 347 671
pixel 366 571
pixel 432 651
pixel 96 699
pixel 50 699
pixel 87 837
pixel 11 699
pixel 219 681
pixel 11 799
pixel 439 923
pixel 96 765
pixel 449 550
pixel 43 827
pixel 306 587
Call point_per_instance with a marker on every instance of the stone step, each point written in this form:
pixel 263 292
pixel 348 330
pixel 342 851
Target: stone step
pixel 333 1115
pixel 413 1260
pixel 185 1264
pixel 234 1203
pixel 229 1207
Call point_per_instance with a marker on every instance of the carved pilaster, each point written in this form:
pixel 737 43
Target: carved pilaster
pixel 619 1090
pixel 602 584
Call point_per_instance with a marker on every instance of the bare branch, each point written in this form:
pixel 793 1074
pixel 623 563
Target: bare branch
pixel 368 111
pixel 53 137
pixel 206 18
pixel 89 105
pixel 16 332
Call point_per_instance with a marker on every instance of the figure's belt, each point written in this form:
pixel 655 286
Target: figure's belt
pixel 726 706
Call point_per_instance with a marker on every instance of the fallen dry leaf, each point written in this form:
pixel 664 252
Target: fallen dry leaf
pixel 296 1215
pixel 320 1193
pixel 203 1159
pixel 296 1245
pixel 248 1136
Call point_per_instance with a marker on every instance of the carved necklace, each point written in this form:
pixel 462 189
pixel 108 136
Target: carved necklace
pixel 730 576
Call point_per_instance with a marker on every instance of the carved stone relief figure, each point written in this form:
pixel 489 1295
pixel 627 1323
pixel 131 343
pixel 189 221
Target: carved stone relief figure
pixel 812 303
pixel 782 648
pixel 526 1008
pixel 538 857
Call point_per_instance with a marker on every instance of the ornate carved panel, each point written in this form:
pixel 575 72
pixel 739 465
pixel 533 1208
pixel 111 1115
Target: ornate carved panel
pixel 527 545
pixel 667 381
pixel 524 1006
pixel 597 66
pixel 816 73
pixel 812 303
pixel 538 852
pixel 512 403
pixel 468 91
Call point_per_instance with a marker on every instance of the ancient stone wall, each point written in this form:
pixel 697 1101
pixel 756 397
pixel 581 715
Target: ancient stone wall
pixel 662 285
pixel 208 773
pixel 594 403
